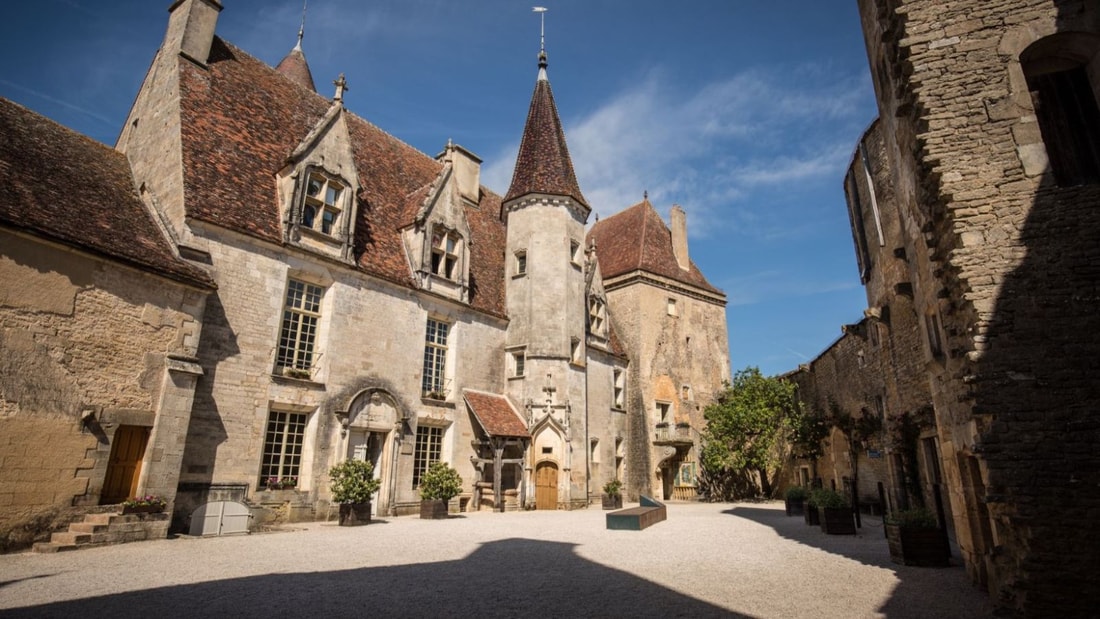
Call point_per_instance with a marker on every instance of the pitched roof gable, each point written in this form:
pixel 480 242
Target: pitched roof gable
pixel 637 239
pixel 496 414
pixel 240 122
pixel 543 164
pixel 60 185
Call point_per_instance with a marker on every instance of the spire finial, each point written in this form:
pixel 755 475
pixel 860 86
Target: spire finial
pixel 541 10
pixel 302 28
pixel 645 195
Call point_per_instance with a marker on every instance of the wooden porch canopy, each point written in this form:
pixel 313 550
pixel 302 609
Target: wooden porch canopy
pixel 502 423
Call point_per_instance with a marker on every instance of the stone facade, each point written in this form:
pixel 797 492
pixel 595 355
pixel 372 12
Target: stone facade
pixel 993 176
pixel 90 348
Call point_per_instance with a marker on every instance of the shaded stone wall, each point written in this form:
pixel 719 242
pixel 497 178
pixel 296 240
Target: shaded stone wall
pixel 1005 260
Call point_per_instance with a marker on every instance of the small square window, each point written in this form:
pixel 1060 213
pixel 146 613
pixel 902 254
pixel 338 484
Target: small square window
pixel 672 309
pixel 575 252
pixel 322 203
pixel 519 361
pixel 619 386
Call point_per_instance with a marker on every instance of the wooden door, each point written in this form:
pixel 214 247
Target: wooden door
pixel 124 467
pixel 546 486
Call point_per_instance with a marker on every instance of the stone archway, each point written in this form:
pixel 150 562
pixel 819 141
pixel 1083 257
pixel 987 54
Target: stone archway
pixel 371 435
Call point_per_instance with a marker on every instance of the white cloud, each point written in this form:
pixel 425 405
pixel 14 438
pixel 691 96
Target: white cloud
pixel 714 148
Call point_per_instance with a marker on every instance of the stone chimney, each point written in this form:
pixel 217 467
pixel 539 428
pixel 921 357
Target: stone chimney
pixel 467 170
pixel 680 236
pixel 191 28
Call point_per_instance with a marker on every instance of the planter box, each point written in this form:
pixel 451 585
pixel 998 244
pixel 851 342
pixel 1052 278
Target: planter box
pixel 434 509
pixel 354 514
pixel 920 547
pixel 813 519
pixel 837 520
pixel 613 501
pixel 142 509
pixel 795 507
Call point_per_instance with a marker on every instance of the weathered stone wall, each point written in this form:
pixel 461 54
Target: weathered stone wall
pixel 370 338
pixel 87 346
pixel 668 352
pixel 1006 260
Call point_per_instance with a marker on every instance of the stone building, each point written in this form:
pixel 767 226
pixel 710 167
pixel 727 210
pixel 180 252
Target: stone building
pixel 989 134
pixel 99 327
pixel 374 302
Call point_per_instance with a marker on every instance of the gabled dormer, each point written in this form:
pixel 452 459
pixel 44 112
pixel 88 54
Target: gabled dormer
pixel 438 241
pixel 318 188
pixel 598 327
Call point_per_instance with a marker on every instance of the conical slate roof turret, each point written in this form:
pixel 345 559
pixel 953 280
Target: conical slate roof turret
pixel 294 65
pixel 543 164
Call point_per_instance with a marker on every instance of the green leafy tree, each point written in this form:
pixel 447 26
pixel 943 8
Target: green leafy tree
pixel 745 441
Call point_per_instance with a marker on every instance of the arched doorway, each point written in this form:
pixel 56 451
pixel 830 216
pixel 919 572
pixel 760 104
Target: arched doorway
pixel 546 485
pixel 373 419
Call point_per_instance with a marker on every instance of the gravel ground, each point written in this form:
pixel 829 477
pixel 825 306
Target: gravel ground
pixel 706 560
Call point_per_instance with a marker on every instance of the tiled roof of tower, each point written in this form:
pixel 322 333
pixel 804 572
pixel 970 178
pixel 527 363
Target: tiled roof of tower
pixel 495 414
pixel 637 239
pixel 543 164
pixel 63 186
pixel 296 69
pixel 239 124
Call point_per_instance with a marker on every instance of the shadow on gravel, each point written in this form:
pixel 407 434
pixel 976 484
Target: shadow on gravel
pixel 506 578
pixel 868 546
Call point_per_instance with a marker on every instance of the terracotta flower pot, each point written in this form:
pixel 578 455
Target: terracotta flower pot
pixel 433 509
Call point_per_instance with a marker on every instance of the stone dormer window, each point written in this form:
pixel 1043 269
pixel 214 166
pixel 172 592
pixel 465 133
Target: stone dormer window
pixel 446 254
pixel 597 317
pixel 323 203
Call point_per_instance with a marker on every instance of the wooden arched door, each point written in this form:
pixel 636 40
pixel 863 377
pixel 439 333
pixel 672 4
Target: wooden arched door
pixel 546 486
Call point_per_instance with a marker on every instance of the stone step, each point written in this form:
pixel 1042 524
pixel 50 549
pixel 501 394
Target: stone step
pixel 69 537
pixel 87 527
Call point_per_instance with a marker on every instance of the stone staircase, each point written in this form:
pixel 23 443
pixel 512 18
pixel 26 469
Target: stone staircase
pixel 106 529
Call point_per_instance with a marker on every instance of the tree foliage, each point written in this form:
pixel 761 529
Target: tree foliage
pixel 747 435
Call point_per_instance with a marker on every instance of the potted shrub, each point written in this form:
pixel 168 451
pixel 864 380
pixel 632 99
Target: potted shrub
pixel 613 495
pixel 834 513
pixel 795 500
pixel 438 485
pixel 352 483
pixel 915 538
pixel 810 512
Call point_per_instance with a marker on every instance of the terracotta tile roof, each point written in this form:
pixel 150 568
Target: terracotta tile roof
pixel 232 151
pixel 495 414
pixel 296 69
pixel 637 239
pixel 60 185
pixel 543 164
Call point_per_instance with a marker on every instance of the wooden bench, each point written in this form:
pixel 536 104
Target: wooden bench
pixel 647 514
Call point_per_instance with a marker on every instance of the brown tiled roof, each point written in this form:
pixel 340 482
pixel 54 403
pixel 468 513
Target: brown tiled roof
pixel 60 185
pixel 637 239
pixel 296 69
pixel 495 414
pixel 543 164
pixel 240 121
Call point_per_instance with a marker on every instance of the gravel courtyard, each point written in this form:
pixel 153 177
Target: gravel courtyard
pixel 706 560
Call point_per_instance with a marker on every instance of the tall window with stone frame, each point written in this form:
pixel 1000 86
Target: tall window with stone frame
pixel 618 379
pixel 298 332
pixel 323 203
pixel 1063 77
pixel 434 382
pixel 429 449
pixel 283 439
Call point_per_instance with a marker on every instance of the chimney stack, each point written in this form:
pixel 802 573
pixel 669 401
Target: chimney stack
pixel 680 236
pixel 191 28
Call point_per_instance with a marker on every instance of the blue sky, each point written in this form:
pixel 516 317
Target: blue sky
pixel 744 112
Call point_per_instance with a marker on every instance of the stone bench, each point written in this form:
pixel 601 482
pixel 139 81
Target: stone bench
pixel 647 514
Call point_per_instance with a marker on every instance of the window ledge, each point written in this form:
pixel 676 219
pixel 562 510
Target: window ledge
pixel 279 378
pixel 618 409
pixel 519 275
pixel 435 402
pixel 520 377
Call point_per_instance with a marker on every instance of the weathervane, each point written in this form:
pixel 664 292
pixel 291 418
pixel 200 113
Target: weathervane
pixel 541 10
pixel 302 28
